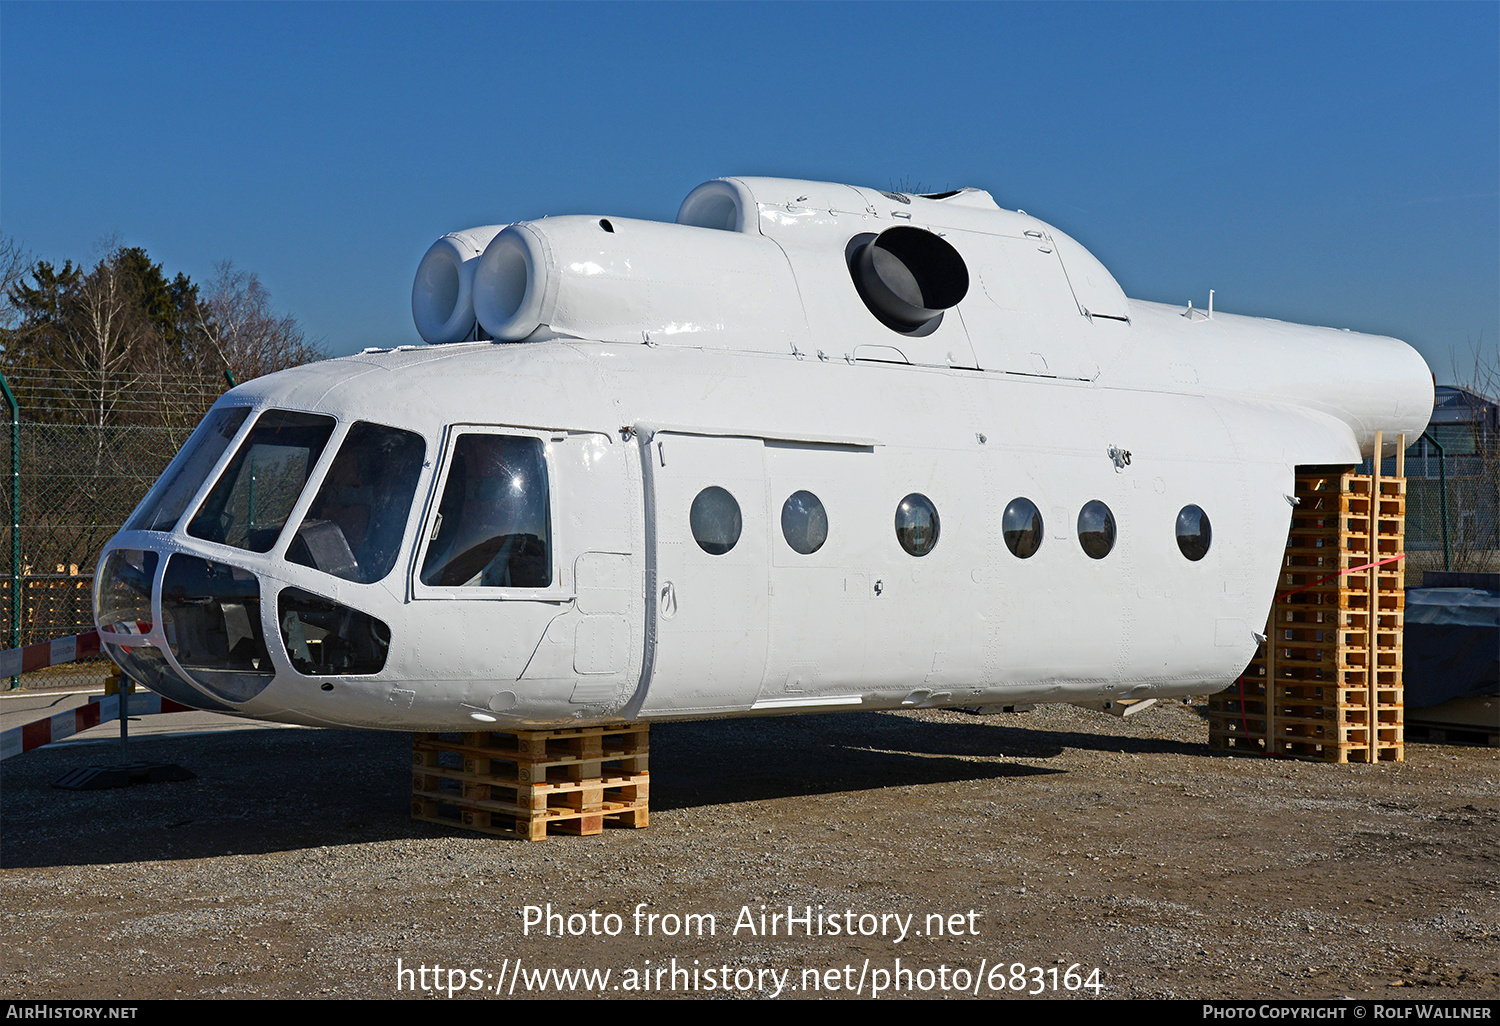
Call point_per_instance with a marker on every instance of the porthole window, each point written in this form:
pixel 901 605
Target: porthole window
pixel 1193 533
pixel 715 520
pixel 1022 527
pixel 917 524
pixel 804 523
pixel 1096 529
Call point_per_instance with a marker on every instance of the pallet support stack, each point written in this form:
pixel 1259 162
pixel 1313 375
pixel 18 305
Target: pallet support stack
pixel 1325 685
pixel 521 784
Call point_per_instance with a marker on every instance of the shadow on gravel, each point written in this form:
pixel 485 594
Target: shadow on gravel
pixel 722 762
pixel 279 790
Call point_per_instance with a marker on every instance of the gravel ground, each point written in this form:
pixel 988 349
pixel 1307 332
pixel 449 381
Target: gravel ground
pixel 1061 837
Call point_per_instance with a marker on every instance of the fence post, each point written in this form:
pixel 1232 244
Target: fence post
pixel 15 519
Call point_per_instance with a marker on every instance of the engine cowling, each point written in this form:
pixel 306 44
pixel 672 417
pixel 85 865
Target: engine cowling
pixel 442 296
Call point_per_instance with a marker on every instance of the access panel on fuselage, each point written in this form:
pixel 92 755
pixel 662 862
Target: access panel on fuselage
pixel 1022 314
pixel 711 573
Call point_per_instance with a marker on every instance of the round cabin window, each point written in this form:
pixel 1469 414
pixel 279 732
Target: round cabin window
pixel 804 523
pixel 715 520
pixel 917 524
pixel 1096 529
pixel 1022 527
pixel 1193 533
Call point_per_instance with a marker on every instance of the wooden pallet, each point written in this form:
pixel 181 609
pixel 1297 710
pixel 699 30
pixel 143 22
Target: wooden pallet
pixel 1326 683
pixel 526 783
pixel 528 827
pixel 1336 726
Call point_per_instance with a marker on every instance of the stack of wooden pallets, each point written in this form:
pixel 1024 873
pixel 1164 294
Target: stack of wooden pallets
pixel 520 784
pixel 1326 684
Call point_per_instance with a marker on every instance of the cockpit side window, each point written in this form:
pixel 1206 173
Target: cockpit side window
pixel 250 502
pixel 354 526
pixel 164 506
pixel 493 526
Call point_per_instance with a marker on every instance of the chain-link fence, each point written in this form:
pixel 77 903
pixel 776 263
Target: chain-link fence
pixel 86 457
pixel 1452 508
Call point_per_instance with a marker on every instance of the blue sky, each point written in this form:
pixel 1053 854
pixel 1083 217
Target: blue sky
pixel 1333 163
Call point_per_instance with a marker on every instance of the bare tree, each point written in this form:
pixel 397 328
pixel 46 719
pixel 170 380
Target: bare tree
pixel 103 343
pixel 1476 541
pixel 1479 372
pixel 14 263
pixel 240 328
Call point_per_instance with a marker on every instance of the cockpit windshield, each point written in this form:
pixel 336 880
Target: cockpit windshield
pixel 212 635
pixel 164 505
pixel 250 502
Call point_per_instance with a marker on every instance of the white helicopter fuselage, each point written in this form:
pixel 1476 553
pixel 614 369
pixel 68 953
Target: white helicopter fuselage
pixel 870 554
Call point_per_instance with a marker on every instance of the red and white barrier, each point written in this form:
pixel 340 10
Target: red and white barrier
pixel 66 724
pixel 16 661
pixel 24 738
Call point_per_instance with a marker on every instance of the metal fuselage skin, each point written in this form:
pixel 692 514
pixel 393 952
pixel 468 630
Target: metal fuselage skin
pixel 781 382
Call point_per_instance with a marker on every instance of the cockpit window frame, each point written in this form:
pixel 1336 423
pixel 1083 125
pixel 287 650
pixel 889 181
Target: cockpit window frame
pixel 296 512
pixel 319 478
pixel 316 468
pixel 555 591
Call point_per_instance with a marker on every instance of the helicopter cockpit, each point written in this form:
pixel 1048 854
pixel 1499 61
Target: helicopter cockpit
pixel 179 604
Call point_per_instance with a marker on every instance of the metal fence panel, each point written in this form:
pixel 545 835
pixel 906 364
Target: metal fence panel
pixel 84 467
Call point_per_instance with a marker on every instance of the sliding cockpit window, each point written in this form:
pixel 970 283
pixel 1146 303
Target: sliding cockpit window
pixel 493 524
